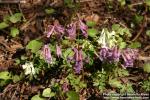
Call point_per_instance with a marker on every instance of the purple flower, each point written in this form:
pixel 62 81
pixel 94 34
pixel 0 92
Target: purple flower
pixel 103 54
pixel 65 87
pixel 47 54
pixel 83 28
pixel 57 29
pixel 129 55
pixel 50 30
pixel 76 55
pixel 78 60
pixel 78 66
pixel 115 54
pixel 111 55
pixel 71 30
pixel 58 51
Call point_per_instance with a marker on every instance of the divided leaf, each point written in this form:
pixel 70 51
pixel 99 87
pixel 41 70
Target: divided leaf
pixel 135 45
pixel 49 11
pixel 72 95
pixel 3 25
pixel 16 17
pixel 147 2
pixel 90 23
pixel 14 32
pixel 147 67
pixel 148 33
pixel 5 75
pixel 34 45
pixel 115 83
pixel 37 97
pixel 92 32
pixel 47 93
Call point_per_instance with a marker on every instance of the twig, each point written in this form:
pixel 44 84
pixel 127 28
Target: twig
pixel 12 98
pixel 135 4
pixel 146 48
pixel 25 25
pixel 84 1
pixel 21 12
pixel 144 58
pixel 142 27
pixel 9 10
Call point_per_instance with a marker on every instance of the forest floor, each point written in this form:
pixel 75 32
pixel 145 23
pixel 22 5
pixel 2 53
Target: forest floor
pixel 33 25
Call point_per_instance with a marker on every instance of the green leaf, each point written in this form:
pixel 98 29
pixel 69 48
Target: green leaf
pixel 68 53
pixel 37 97
pixel 72 95
pixel 47 93
pixel 3 25
pixel 69 3
pixel 14 32
pixel 16 17
pixel 122 72
pixel 122 2
pixel 135 45
pixel 146 67
pixel 66 42
pixel 115 27
pixel 122 45
pixel 34 45
pixel 127 32
pixel 92 32
pixel 147 2
pixel 148 33
pixel 49 11
pixel 138 19
pixel 6 18
pixel 146 85
pixel 90 23
pixel 5 75
pixel 16 78
pixel 115 83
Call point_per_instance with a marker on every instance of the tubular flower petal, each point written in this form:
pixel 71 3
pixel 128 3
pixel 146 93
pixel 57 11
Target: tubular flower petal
pixel 65 87
pixel 129 56
pixel 47 54
pixel 76 55
pixel 78 60
pixel 115 54
pixel 103 54
pixel 59 29
pixel 111 55
pixel 58 51
pixel 71 30
pixel 78 66
pixel 50 30
pixel 83 28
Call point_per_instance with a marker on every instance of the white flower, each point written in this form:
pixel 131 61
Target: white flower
pixel 107 39
pixel 102 39
pixel 28 68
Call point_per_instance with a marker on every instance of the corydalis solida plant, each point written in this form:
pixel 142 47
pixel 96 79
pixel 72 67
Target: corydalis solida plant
pixel 71 29
pixel 110 55
pixel 114 55
pixel 109 51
